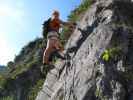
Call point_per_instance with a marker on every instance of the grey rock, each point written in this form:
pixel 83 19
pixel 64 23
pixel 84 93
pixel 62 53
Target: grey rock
pixel 105 25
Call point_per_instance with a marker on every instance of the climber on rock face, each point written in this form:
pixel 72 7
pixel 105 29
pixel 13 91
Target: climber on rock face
pixel 53 43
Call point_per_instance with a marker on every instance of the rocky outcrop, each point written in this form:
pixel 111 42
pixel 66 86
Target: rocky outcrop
pixel 22 78
pixel 107 24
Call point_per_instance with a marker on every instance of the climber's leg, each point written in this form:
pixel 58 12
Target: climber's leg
pixel 49 49
pixel 58 45
pixel 59 49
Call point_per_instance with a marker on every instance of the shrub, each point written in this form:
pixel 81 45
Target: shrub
pixel 64 35
pixel 2 82
pixel 111 54
pixel 75 14
pixel 34 90
pixel 7 98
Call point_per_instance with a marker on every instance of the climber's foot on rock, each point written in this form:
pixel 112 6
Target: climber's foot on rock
pixel 51 66
pixel 47 67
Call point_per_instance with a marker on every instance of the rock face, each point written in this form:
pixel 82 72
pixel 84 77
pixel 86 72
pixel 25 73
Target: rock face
pixel 107 24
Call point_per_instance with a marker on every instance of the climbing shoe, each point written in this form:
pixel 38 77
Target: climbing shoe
pixel 46 68
pixel 59 55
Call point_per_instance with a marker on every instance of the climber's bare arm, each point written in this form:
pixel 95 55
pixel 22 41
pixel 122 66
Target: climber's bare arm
pixel 69 24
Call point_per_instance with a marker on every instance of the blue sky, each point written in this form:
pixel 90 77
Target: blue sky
pixel 20 22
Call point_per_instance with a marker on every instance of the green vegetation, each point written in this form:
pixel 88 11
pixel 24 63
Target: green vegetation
pixel 29 57
pixel 23 70
pixel 61 97
pixel 64 35
pixel 128 75
pixel 73 17
pixel 111 54
pixel 106 55
pixel 2 82
pixel 99 95
pixel 34 90
pixel 75 14
pixel 7 98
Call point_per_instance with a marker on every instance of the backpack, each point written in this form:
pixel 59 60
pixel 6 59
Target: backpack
pixel 46 28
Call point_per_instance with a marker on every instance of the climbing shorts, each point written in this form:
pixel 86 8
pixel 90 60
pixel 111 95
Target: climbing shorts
pixel 52 35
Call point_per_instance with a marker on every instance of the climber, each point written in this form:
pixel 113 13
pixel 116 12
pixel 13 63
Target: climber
pixel 53 42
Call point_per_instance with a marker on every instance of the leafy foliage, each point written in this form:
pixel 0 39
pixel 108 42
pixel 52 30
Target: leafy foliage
pixel 111 54
pixel 75 14
pixel 7 98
